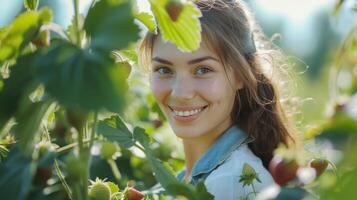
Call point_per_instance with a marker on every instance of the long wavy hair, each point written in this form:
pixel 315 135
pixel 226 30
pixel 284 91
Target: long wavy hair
pixel 230 31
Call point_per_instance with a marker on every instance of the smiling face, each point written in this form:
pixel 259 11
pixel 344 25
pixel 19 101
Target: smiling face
pixel 194 91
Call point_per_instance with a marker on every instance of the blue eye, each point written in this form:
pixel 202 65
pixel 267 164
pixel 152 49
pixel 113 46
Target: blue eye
pixel 202 70
pixel 163 70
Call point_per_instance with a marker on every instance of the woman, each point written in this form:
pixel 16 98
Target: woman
pixel 221 99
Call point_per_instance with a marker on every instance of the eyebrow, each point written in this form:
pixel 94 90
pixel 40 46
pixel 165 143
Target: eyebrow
pixel 196 60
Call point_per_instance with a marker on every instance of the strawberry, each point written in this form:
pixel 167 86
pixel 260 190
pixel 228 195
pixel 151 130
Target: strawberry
pixel 42 175
pixel 174 9
pixel 283 170
pixel 99 190
pixel 131 193
pixel 109 150
pixel 319 165
pixel 43 39
pixel 157 123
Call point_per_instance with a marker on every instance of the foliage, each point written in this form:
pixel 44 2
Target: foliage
pixel 64 94
pixel 58 89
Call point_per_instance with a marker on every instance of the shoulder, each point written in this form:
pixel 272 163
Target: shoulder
pixel 223 182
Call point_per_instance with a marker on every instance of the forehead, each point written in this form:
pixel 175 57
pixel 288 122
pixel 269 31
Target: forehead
pixel 165 49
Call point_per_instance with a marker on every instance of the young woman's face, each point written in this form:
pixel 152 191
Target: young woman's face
pixel 193 90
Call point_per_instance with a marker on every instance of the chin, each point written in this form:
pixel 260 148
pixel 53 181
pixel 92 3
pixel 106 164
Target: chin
pixel 186 132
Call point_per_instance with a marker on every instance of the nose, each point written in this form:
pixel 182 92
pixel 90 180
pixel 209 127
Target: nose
pixel 182 87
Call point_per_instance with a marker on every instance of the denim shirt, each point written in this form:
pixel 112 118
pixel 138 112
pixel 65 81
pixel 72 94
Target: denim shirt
pixel 221 165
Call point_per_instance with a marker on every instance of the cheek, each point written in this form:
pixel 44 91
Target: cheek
pixel 160 89
pixel 217 90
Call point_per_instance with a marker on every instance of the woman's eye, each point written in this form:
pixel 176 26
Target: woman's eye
pixel 202 70
pixel 163 70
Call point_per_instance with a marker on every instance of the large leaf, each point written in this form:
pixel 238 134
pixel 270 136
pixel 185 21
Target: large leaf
pixel 29 117
pixel 114 129
pixel 23 29
pixel 161 172
pixel 185 33
pixel 182 189
pixel 15 175
pixel 111 25
pixel 82 79
pixel 202 193
pixel 17 87
pixel 147 19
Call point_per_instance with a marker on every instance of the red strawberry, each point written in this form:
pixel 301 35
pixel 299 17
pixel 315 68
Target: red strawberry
pixel 42 175
pixel 43 39
pixel 319 165
pixel 134 194
pixel 174 9
pixel 157 123
pixel 283 170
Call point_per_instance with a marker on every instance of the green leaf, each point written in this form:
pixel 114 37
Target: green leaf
pixel 31 4
pixel 141 136
pixel 188 191
pixel 15 175
pixel 114 129
pixel 147 19
pixel 29 117
pixel 161 171
pixel 17 87
pixel 182 189
pixel 202 193
pixel 185 33
pixel 25 27
pixel 82 79
pixel 111 25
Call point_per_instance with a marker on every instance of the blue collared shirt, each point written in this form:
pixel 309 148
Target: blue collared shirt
pixel 221 165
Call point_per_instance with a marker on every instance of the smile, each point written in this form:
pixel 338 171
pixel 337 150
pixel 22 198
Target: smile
pixel 187 112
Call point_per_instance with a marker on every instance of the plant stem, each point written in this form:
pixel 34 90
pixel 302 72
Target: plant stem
pixel 83 158
pixel 254 191
pixel 76 23
pixel 94 130
pixel 70 146
pixel 63 181
pixel 115 169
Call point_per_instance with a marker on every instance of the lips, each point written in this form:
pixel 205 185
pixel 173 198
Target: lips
pixel 187 111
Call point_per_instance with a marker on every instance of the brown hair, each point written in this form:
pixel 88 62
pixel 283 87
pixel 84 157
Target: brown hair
pixel 230 31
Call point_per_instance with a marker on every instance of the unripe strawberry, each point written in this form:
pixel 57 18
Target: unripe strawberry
pixel 109 150
pixel 99 190
pixel 174 9
pixel 283 170
pixel 319 165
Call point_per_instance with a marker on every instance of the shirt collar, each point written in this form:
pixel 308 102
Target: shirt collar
pixel 221 149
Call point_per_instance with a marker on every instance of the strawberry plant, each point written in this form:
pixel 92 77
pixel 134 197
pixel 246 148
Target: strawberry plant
pixel 63 96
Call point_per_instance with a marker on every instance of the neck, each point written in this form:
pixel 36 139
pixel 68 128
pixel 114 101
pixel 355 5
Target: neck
pixel 194 148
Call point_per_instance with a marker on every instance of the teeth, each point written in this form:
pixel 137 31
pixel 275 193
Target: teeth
pixel 187 113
